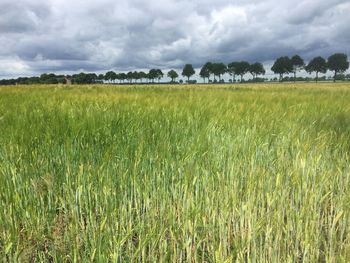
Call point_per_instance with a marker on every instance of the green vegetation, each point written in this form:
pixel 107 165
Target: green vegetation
pixel 226 173
pixel 338 63
pixel 318 65
pixel 188 71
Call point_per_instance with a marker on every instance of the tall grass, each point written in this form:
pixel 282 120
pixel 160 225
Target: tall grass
pixel 256 173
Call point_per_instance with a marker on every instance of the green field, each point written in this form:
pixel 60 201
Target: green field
pixel 227 173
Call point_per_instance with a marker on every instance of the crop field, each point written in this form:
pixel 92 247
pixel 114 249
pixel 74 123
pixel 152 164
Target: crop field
pixel 187 173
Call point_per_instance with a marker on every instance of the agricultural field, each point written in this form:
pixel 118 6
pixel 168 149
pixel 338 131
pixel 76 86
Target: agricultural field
pixel 186 173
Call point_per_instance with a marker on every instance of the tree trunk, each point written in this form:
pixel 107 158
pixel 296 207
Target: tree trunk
pixel 316 76
pixel 295 76
pixel 335 76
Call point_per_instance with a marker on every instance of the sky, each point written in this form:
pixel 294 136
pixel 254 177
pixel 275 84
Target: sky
pixel 65 37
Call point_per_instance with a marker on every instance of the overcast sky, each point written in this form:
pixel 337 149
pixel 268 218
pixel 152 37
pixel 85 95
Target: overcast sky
pixel 64 36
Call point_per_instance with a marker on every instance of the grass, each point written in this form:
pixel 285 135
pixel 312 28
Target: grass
pixel 227 173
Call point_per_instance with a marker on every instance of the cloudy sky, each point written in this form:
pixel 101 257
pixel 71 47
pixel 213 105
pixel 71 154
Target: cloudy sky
pixel 64 36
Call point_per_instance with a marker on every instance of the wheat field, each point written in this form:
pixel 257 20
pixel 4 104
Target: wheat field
pixel 183 173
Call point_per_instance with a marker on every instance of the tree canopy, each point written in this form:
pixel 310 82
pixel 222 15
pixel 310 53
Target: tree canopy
pixel 256 69
pixel 188 71
pixel 110 76
pixel 282 65
pixel 218 69
pixel 318 65
pixel 297 64
pixel 338 63
pixel 206 71
pixel 173 75
pixel 152 74
pixel 231 69
pixel 242 68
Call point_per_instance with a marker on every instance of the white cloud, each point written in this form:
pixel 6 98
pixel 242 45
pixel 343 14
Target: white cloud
pixel 13 66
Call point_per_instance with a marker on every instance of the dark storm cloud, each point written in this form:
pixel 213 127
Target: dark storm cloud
pixel 65 36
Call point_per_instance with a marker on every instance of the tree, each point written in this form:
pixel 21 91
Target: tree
pixel 83 78
pixel 338 63
pixel 136 76
pixel 282 65
pixel 93 77
pixel 101 77
pixel 130 76
pixel 110 76
pixel 123 76
pixel 34 80
pixel 114 76
pixel 106 77
pixel 119 77
pixel 152 74
pixel 173 75
pixel 206 71
pixel 318 65
pixel 231 69
pixel 297 64
pixel 242 68
pixel 148 77
pixel 142 76
pixel 188 71
pixel 218 69
pixel 159 74
pixel 44 78
pixel 256 69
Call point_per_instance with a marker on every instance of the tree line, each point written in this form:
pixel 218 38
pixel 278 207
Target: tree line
pixel 337 63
